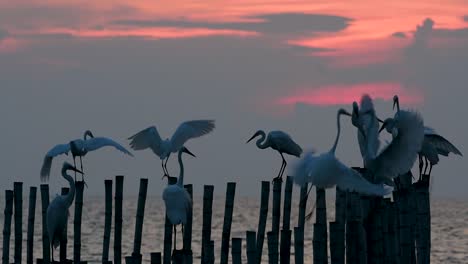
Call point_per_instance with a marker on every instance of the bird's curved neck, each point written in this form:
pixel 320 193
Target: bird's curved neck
pixel 71 194
pixel 333 149
pixel 180 181
pixel 87 134
pixel 265 144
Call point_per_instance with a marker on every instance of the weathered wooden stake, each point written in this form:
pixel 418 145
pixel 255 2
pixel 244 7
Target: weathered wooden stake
pixel 211 256
pixel 156 258
pixel 423 220
pixel 167 241
pixel 188 230
pixel 207 217
pixel 337 250
pixel 45 235
pixel 31 217
pixel 264 199
pixel 228 210
pixel 118 219
pixel 276 212
pixel 7 226
pixel 107 220
pixel 285 250
pixel 251 247
pixel 236 250
pixel 319 241
pixel 63 242
pixel 272 238
pixel 77 222
pixel 340 220
pixel 18 203
pixel 285 246
pixel 139 219
pixel 298 245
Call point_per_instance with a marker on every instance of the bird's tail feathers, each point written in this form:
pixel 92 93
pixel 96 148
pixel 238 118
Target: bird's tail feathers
pixel 45 170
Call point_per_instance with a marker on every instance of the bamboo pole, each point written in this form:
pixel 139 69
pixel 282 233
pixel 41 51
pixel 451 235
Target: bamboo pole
pixel 337 249
pixel 251 247
pixel 139 219
pixel 276 212
pixel 285 241
pixel 77 222
pixel 392 234
pixel 236 250
pixel 207 218
pixel 18 203
pixel 31 217
pixel 155 258
pixel 118 219
pixel 302 207
pixel 320 229
pixel 298 245
pixel 7 226
pixel 63 242
pixel 107 220
pixel 187 236
pixel 228 210
pixel 272 238
pixel 167 241
pixel 285 246
pixel 177 256
pixel 210 255
pixel 340 220
pixel 385 231
pixel 264 199
pixel 45 235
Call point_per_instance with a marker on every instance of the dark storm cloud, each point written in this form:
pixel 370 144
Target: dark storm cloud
pixel 285 23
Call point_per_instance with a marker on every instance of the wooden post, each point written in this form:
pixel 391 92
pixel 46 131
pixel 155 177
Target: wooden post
pixel 188 230
pixel 236 250
pixel 404 226
pixel 272 238
pixel 207 217
pixel 228 210
pixel 385 231
pixel 18 202
pixel 107 220
pixel 31 217
pixel 319 241
pixel 423 219
pixel 167 241
pixel 355 233
pixel 63 242
pixel 264 199
pixel 340 220
pixel 177 256
pixel 276 213
pixel 7 226
pixel 118 219
pixel 251 247
pixel 352 247
pixel 375 234
pixel 392 233
pixel 285 250
pixel 77 222
pixel 299 245
pixel 211 256
pixel 139 219
pixel 45 235
pixel 337 249
pixel 156 258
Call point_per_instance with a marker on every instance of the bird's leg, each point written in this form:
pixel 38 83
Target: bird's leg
pixel 420 166
pixel 82 175
pixel 427 164
pixel 165 165
pixel 283 165
pixel 74 163
pixel 164 169
pixel 430 169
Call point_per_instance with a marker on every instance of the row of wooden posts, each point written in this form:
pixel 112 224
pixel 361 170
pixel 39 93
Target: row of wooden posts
pixel 365 230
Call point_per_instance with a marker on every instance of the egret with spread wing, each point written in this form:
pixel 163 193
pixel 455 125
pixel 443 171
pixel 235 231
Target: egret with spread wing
pixel 279 141
pixel 150 138
pixel 57 212
pixel 176 198
pixel 433 145
pixel 78 148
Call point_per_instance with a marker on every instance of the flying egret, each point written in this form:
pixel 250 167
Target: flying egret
pixel 365 120
pixel 279 141
pixel 78 148
pixel 149 138
pixel 176 198
pixel 433 145
pixel 57 212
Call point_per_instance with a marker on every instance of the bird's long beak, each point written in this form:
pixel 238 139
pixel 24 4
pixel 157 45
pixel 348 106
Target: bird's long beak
pixel 255 135
pixel 382 127
pixel 378 119
pixel 188 152
pixel 77 170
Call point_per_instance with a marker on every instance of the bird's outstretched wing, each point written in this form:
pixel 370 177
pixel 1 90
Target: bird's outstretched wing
pixel 352 180
pixel 147 138
pixel 47 163
pixel 190 129
pixel 399 156
pixel 99 142
pixel 303 167
pixel 443 146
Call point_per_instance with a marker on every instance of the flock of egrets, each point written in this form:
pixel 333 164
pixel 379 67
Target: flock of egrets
pixel 410 140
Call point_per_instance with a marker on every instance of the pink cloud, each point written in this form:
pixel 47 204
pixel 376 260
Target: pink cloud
pixel 10 45
pixel 346 94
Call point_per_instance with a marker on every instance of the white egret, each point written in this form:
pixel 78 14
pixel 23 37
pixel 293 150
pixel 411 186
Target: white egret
pixel 365 120
pixel 433 145
pixel 326 171
pixel 150 138
pixel 176 198
pixel 78 148
pixel 279 141
pixel 57 212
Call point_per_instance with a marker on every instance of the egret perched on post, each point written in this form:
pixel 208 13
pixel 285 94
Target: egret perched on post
pixel 149 138
pixel 176 198
pixel 78 148
pixel 279 141
pixel 433 145
pixel 57 212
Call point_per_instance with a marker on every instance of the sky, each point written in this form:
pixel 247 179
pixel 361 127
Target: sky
pixel 117 67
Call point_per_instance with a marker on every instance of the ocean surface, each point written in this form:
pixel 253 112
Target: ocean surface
pixel 449 228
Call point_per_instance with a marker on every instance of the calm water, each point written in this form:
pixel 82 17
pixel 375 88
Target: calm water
pixel 449 228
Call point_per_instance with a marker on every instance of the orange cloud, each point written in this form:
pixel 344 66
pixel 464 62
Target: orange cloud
pixel 346 94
